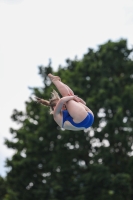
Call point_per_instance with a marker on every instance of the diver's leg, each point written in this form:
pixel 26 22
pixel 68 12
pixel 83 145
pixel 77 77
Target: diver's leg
pixel 62 88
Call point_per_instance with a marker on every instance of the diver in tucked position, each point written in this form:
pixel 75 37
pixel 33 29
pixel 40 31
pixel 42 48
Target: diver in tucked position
pixel 69 112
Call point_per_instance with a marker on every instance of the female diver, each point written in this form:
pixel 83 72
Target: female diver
pixel 69 112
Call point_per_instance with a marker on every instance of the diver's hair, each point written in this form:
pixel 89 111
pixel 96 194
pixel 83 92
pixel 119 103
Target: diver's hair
pixel 51 103
pixel 54 97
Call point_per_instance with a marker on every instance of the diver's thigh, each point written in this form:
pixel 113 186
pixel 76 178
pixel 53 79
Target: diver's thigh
pixel 76 110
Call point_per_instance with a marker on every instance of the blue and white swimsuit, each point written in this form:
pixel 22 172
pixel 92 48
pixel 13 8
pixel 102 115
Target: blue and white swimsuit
pixel 86 123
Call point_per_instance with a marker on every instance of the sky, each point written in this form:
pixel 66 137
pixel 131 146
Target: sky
pixel 34 31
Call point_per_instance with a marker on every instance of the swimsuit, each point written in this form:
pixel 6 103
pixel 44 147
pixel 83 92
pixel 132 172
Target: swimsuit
pixel 86 123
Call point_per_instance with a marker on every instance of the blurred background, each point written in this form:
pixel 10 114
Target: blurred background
pixel 51 34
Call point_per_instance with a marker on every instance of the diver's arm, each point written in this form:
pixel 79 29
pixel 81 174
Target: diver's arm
pixel 62 101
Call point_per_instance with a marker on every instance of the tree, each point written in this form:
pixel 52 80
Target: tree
pixel 2 187
pixel 49 163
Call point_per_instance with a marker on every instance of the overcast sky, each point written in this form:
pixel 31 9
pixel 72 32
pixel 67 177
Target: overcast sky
pixel 33 31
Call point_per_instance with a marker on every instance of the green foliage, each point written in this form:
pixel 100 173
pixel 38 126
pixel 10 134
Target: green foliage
pixel 10 195
pixel 122 186
pixel 3 189
pixel 50 163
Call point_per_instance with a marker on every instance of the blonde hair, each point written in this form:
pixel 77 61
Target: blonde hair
pixel 51 103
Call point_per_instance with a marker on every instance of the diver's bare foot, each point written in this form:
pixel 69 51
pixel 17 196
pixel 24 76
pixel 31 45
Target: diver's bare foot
pixel 54 78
